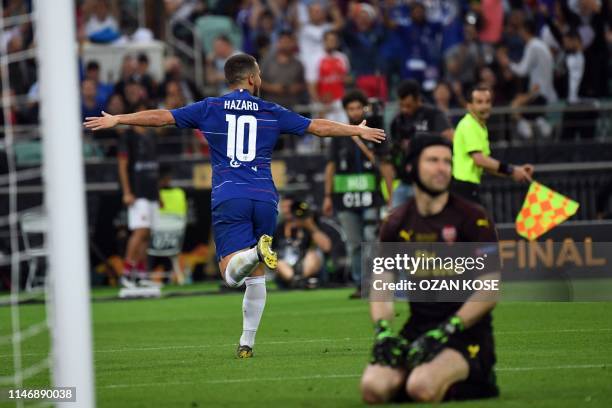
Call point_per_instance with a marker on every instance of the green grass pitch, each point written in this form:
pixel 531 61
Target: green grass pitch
pixel 311 349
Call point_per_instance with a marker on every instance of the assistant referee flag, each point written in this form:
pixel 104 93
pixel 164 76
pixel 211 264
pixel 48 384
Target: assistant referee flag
pixel 543 209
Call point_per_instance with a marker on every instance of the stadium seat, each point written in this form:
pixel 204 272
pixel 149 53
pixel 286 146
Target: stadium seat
pixel 210 27
pixel 33 229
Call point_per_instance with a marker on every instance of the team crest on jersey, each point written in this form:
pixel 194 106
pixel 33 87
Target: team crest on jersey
pixel 449 233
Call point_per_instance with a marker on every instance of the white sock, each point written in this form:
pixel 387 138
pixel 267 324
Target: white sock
pixel 253 305
pixel 240 266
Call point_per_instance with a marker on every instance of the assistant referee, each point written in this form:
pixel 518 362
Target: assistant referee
pixel 471 151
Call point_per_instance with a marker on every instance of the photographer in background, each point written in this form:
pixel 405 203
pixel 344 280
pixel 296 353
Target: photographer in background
pixel 352 182
pixel 299 243
pixel 414 117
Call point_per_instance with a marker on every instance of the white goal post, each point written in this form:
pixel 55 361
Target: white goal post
pixel 63 175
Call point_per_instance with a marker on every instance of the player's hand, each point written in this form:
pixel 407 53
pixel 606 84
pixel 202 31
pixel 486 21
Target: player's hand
pixel 388 350
pixel 328 207
pixel 426 347
pixel 128 199
pixel 105 121
pixel 371 134
pixel 522 174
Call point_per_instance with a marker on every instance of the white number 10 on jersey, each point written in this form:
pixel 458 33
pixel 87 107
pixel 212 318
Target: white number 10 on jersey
pixel 235 137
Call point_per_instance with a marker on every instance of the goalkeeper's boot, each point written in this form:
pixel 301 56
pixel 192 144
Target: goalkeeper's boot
pixel 265 252
pixel 244 352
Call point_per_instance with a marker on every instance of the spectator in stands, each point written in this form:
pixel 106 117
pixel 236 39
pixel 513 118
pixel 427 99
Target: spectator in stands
pixel 131 33
pixel 327 87
pixel 299 243
pixel 414 117
pixel 184 11
pixel 537 64
pixel 491 13
pixel 258 25
pixel 350 165
pixel 135 95
pixel 144 77
pixel 22 72
pixel 129 69
pixel 215 61
pixel 364 38
pixel 469 55
pixel 174 96
pixel 104 90
pixel 310 34
pixel 282 74
pixel 421 50
pixel 262 34
pixel 101 26
pixel 576 122
pixel 285 14
pixel 90 104
pixel 174 72
pixel 445 100
pixel 595 18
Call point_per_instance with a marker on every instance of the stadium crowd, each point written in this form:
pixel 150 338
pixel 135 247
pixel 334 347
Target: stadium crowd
pixel 532 53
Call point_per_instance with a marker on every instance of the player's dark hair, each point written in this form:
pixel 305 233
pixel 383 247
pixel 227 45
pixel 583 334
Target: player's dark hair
pixel 143 58
pixel 573 34
pixel 478 88
pixel 285 33
pixel 530 26
pixel 409 87
pixel 238 67
pixel 354 96
pixel 224 38
pixel 92 65
pixel 330 32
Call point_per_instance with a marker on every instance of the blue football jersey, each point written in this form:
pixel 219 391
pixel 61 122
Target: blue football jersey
pixel 241 131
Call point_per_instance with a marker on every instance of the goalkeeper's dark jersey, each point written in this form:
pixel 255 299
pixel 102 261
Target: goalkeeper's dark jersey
pixel 459 221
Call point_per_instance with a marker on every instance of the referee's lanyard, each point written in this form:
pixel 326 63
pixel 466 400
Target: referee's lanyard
pixel 358 160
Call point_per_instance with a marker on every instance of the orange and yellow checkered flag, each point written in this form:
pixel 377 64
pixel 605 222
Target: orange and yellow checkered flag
pixel 542 210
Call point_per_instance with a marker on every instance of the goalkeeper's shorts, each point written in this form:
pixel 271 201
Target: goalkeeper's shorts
pixel 478 348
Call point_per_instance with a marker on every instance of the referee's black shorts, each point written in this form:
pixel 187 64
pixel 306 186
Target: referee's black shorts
pixel 477 346
pixel 467 190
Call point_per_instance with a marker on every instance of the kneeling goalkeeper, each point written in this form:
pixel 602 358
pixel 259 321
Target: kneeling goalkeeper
pixel 445 351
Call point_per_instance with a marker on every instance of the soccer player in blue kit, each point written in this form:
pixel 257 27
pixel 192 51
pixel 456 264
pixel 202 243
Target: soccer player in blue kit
pixel 241 130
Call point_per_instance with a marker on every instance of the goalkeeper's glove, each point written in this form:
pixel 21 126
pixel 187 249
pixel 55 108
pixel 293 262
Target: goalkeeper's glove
pixel 428 345
pixel 388 350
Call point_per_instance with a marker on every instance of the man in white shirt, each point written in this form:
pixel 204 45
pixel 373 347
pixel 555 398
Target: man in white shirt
pixel 537 64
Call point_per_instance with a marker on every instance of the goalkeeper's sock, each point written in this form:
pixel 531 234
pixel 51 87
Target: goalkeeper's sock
pixel 240 266
pixel 253 305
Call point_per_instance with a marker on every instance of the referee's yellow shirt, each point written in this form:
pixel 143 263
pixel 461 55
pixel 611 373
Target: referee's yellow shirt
pixel 470 136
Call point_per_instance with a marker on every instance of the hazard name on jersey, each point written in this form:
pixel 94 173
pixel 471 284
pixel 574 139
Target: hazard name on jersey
pixel 240 104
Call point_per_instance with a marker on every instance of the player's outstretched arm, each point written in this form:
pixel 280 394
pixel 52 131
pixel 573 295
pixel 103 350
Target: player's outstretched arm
pixel 324 128
pixel 153 117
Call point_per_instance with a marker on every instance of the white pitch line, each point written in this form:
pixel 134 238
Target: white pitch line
pixel 299 341
pixel 334 376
